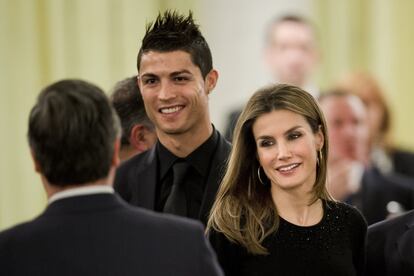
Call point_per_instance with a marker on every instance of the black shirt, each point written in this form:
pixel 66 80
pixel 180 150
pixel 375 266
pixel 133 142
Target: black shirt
pixel 334 246
pixel 195 181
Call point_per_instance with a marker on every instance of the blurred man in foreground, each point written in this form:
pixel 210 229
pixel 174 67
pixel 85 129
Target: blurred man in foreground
pixel 86 229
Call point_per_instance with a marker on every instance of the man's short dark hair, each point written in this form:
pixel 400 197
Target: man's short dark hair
pixel 173 32
pixel 293 18
pixel 127 100
pixel 72 130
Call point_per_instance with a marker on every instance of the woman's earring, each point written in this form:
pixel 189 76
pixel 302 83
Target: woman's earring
pixel 319 157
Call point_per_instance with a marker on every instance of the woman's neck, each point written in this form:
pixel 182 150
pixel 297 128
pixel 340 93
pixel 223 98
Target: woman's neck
pixel 298 208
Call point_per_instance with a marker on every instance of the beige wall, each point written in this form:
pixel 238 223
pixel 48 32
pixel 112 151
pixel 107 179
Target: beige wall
pixel 47 40
pixel 376 36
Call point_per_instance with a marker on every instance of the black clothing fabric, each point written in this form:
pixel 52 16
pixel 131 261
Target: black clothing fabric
pixel 231 123
pixel 334 246
pixel 100 234
pixel 390 247
pixel 378 190
pixel 176 202
pixel 138 179
pixel 195 178
pixel 403 162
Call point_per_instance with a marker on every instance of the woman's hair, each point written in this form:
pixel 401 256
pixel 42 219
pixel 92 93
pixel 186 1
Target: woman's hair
pixel 243 210
pixel 366 87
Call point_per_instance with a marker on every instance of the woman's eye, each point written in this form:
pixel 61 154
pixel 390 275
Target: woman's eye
pixel 266 143
pixel 294 136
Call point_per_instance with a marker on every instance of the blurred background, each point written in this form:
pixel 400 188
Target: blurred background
pixel 97 40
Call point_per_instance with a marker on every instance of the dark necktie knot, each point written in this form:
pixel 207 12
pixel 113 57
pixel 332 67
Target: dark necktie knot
pixel 176 202
pixel 179 171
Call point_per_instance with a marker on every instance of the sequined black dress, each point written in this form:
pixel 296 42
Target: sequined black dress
pixel 334 246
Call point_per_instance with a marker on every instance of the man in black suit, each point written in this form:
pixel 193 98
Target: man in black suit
pixel 87 229
pixel 138 133
pixel 182 173
pixel 390 247
pixel 352 177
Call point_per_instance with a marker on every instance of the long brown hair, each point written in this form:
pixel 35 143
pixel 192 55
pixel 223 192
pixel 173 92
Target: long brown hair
pixel 244 211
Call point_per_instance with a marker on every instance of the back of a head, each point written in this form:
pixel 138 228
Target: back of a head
pixel 72 131
pixel 173 32
pixel 127 100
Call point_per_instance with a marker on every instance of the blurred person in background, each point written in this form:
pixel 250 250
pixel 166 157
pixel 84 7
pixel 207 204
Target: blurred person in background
pixel 291 56
pixel 273 214
pixel 138 133
pixel 384 154
pixel 353 178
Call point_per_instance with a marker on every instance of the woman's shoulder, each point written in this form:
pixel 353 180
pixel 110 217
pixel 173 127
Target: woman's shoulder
pixel 345 211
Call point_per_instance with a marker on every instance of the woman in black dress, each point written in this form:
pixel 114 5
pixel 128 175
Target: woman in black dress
pixel 273 214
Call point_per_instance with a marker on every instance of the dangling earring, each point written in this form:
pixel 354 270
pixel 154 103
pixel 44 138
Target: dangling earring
pixel 319 157
pixel 258 175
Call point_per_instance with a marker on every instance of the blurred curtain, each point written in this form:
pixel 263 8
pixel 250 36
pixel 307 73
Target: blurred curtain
pixel 376 36
pixel 46 40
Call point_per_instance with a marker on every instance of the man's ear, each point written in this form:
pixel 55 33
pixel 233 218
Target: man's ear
pixel 211 80
pixel 115 158
pixel 35 163
pixel 138 137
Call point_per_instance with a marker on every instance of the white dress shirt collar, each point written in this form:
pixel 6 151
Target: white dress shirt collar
pixel 87 190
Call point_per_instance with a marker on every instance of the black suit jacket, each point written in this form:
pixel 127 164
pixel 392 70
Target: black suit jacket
pixel 136 179
pixel 390 249
pixel 377 190
pixel 231 123
pixel 403 162
pixel 102 235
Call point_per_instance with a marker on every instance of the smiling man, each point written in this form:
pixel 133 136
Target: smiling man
pixel 182 172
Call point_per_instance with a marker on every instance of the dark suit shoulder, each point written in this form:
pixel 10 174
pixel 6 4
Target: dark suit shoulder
pixel 129 170
pixel 351 213
pixel 392 224
pixel 162 221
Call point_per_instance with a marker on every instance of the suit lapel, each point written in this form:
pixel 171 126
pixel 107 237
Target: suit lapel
pixel 217 170
pixel 405 245
pixel 146 181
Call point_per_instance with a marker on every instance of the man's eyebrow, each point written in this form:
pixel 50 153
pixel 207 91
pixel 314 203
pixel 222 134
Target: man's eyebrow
pixel 147 75
pixel 184 71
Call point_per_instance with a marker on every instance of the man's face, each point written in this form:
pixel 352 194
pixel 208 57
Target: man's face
pixel 347 128
pixel 174 92
pixel 292 55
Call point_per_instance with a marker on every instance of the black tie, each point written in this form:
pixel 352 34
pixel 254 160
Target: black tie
pixel 176 202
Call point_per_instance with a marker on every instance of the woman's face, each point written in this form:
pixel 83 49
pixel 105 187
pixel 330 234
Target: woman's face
pixel 287 149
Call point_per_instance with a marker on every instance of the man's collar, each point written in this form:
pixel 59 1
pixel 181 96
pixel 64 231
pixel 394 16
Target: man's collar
pixel 199 158
pixel 86 190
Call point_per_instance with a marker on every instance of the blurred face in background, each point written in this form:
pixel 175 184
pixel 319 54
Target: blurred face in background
pixel 348 130
pixel 368 89
pixel 291 53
